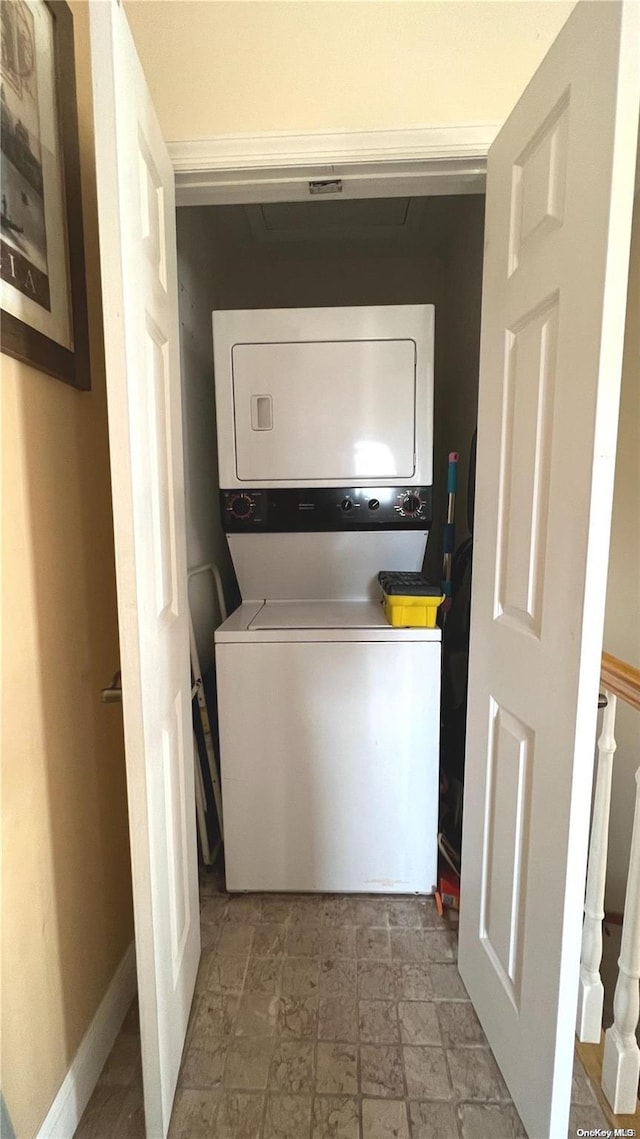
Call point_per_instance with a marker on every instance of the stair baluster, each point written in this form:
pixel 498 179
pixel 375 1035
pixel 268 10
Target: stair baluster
pixel 621 1060
pixel 591 990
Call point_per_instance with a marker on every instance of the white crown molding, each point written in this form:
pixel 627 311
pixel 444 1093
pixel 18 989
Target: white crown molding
pixel 319 148
pixel 64 1115
pixel 278 166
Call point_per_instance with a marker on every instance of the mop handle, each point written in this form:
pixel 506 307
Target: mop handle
pixel 449 536
pixel 452 486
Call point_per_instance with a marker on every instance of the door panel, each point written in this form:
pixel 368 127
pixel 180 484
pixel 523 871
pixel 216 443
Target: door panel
pixel 504 871
pixel 559 203
pixel 524 475
pixel 539 184
pixel 139 284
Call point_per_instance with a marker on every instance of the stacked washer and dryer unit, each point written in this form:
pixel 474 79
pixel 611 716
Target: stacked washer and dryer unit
pixel 329 717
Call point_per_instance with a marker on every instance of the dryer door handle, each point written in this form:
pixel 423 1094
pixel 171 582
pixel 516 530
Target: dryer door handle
pixel 261 412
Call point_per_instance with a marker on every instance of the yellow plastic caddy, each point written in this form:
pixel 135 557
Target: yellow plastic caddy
pixel 409 600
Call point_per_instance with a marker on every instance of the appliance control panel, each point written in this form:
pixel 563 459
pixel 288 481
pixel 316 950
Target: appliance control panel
pixel 327 509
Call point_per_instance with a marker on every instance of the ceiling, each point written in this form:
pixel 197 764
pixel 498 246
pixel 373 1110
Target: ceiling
pixel 323 227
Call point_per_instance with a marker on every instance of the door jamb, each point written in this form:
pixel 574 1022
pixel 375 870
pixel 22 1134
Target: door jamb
pixel 278 166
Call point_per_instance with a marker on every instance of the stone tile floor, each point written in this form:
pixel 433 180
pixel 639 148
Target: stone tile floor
pixel 325 1017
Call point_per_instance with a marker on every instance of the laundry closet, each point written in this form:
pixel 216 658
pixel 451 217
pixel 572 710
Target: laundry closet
pixel 410 259
pixel 559 197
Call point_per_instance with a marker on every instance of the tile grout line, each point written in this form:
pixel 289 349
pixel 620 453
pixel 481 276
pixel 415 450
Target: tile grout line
pixel 402 1063
pixel 359 1089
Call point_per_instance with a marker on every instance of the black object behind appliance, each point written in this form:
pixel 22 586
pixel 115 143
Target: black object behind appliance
pixel 455 672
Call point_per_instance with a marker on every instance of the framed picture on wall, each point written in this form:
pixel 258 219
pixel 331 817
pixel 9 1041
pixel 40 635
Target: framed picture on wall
pixel 42 270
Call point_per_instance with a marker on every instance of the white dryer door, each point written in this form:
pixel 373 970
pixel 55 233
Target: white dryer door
pixel 343 410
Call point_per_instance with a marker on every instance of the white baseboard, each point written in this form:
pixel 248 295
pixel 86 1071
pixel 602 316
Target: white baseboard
pixel 76 1089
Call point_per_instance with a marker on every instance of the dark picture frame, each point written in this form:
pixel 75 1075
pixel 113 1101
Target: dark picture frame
pixel 18 338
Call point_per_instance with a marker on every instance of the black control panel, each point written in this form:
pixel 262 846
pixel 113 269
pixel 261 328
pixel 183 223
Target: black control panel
pixel 327 508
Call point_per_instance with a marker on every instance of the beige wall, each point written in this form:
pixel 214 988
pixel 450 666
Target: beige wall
pixel 320 65
pixel 622 622
pixel 66 888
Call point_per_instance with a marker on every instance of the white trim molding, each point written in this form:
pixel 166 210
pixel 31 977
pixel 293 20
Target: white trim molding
pixel 76 1089
pixel 279 166
pixel 290 149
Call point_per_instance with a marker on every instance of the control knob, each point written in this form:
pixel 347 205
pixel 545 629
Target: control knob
pixel 242 506
pixel 346 504
pixel 411 505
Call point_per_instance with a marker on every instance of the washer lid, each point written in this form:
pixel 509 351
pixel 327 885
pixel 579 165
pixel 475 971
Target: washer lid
pixel 320 615
pixel 259 622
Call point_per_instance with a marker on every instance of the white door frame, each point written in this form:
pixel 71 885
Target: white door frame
pixel 278 166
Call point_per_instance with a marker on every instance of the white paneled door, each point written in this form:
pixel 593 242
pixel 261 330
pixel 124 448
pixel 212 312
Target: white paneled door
pixel 559 203
pixel 139 284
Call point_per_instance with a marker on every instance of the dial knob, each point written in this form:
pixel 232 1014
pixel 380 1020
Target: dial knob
pixel 242 506
pixel 411 504
pixel 346 504
pixel 374 504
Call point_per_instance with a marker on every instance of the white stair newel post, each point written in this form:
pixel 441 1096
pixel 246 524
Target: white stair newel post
pixel 621 1061
pixel 591 991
